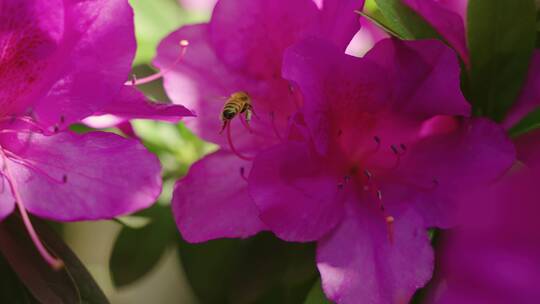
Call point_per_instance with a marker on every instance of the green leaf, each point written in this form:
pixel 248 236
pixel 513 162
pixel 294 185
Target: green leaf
pixel 379 23
pixel 262 269
pixel 137 251
pixel 316 295
pixel 501 37
pixel 528 123
pixel 72 284
pixel 404 21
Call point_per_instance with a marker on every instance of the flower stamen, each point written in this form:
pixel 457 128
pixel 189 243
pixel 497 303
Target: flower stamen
pixel 372 188
pixel 231 145
pixel 54 262
pixel 136 82
pixel 274 127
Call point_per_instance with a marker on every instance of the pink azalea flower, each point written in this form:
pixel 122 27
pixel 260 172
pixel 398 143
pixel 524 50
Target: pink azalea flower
pixel 373 161
pixel 493 257
pixel 62 61
pixel 241 49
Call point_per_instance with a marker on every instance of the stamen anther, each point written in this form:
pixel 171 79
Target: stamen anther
pixel 390 227
pixel 242 173
pixel 368 174
pixel 184 43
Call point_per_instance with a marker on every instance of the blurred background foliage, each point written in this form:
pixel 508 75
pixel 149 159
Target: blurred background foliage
pixel 141 258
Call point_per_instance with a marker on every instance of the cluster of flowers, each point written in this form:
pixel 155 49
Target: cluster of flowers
pixel 361 155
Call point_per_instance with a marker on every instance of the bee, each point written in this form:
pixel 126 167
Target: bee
pixel 237 103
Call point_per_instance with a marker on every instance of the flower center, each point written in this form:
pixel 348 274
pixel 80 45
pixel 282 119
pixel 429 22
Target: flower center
pixel 375 167
pixel 236 108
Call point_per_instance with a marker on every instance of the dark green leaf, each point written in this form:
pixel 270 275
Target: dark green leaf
pixel 12 290
pixel 529 123
pixel 137 251
pixel 379 22
pixel 316 295
pixel 72 284
pixel 501 38
pixel 261 269
pixel 404 21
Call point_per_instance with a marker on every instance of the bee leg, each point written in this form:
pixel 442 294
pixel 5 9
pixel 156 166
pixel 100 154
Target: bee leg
pixel 249 113
pixel 245 122
pixel 223 126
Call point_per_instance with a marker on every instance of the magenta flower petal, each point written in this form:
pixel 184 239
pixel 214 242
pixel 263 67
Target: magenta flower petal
pixel 422 71
pixel 131 104
pixel 446 20
pixel 358 264
pixel 297 197
pixel 192 84
pixel 493 256
pixel 441 167
pixel 335 87
pixel 7 203
pixel 339 21
pixel 91 59
pixel 70 177
pixel 27 45
pixel 529 98
pixel 251 35
pixel 212 201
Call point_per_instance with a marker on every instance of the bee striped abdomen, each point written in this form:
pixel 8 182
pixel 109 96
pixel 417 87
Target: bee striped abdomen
pixel 230 109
